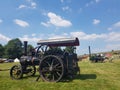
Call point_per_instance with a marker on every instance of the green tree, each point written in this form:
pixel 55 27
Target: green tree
pixel 70 49
pixel 1 51
pixel 29 47
pixel 54 51
pixel 13 49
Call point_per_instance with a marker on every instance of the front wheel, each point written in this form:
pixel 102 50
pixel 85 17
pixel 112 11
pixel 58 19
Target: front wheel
pixel 16 72
pixel 51 68
pixel 31 70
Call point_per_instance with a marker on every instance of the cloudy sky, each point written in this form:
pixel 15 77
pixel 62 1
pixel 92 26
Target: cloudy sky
pixel 95 22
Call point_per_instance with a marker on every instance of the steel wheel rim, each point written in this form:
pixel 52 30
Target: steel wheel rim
pixel 32 70
pixel 16 72
pixel 51 68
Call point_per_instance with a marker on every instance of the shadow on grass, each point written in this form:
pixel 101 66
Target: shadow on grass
pixel 79 77
pixel 26 77
pixel 65 79
pixel 86 76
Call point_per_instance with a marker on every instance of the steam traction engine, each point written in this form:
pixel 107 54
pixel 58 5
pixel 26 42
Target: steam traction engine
pixel 54 63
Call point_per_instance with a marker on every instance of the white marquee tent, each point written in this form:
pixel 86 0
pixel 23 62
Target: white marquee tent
pixel 16 60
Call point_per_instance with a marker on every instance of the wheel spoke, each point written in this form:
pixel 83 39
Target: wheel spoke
pixel 47 75
pixel 52 62
pixel 58 73
pixel 53 78
pixel 56 65
pixel 57 70
pixel 51 68
pixel 16 72
pixel 47 63
pixel 45 69
pixel 30 70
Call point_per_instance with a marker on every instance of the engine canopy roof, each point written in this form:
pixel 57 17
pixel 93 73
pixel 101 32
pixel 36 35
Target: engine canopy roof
pixel 60 42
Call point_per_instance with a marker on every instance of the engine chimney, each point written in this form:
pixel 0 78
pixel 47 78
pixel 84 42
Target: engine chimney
pixel 89 51
pixel 25 48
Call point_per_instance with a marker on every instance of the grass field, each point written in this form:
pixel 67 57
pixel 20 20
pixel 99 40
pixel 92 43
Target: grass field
pixel 94 76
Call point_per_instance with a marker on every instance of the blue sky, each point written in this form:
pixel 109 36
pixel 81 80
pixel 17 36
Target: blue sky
pixel 95 22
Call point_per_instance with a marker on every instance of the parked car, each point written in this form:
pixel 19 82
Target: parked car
pixel 9 60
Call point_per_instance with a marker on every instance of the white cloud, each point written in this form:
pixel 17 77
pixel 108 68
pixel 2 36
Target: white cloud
pixel 84 36
pixel 4 38
pixel 109 28
pixel 33 5
pixel 80 10
pixel 29 39
pixel 47 24
pixel 56 20
pixel 29 4
pixel 21 23
pixel 66 1
pixel 97 1
pixel 57 36
pixel 113 46
pixel 108 37
pixel 89 3
pixel 96 21
pixel 115 26
pixel 22 6
pixel 62 1
pixel 33 34
pixel 113 37
pixel 29 0
pixel 80 35
pixel 1 20
pixel 92 2
pixel 54 36
pixel 66 8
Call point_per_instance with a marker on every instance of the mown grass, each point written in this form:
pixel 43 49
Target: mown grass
pixel 94 76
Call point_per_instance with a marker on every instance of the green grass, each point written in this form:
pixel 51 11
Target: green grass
pixel 94 76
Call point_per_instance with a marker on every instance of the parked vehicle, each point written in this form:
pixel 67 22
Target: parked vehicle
pixel 53 64
pixel 9 60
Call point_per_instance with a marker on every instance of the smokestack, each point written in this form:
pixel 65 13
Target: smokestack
pixel 25 48
pixel 89 51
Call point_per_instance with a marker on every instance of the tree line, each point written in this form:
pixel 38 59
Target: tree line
pixel 13 49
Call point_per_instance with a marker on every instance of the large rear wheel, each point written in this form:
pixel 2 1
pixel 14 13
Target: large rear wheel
pixel 51 68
